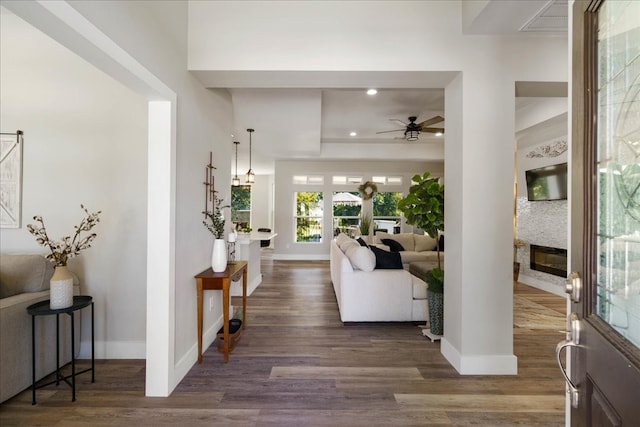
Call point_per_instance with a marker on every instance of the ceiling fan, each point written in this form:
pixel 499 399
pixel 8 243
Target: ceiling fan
pixel 413 129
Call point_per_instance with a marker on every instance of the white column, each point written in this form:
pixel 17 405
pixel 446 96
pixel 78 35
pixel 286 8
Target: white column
pixel 479 162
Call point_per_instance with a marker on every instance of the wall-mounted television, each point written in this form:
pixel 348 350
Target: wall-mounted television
pixel 547 183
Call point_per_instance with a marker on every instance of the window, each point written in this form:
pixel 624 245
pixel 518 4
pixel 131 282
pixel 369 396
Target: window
pixel 347 207
pixel 387 180
pixel 386 215
pixel 241 206
pixel 311 180
pixel 342 180
pixel 309 207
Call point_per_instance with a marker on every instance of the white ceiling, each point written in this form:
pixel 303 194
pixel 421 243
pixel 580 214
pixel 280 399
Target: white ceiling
pixel 315 123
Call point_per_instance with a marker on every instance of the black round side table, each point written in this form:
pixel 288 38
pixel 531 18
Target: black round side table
pixel 42 309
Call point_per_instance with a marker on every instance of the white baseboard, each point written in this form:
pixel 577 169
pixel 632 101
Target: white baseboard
pixel 542 285
pixel 498 364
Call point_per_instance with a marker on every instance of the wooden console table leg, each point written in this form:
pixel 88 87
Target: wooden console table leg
pixel 244 298
pixel 199 298
pixel 225 316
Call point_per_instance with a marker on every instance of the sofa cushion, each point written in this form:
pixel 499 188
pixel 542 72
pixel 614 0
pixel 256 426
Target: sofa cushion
pixel 386 260
pixel 405 239
pixel 424 243
pixel 24 273
pixel 361 258
pixel 393 245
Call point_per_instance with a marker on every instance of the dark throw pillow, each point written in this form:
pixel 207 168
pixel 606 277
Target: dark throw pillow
pixel 386 260
pixel 394 246
pixel 362 242
pixel 441 243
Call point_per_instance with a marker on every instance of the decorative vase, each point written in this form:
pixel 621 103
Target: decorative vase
pixel 61 288
pixel 219 256
pixel 436 312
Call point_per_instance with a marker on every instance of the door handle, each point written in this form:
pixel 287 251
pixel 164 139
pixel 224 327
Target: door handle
pixel 573 286
pixel 572 388
pixel 573 340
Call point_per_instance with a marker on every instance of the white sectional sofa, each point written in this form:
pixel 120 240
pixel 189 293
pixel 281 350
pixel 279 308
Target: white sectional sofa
pixel 367 294
pixel 415 247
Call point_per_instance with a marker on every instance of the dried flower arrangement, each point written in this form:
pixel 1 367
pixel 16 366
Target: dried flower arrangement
pixel 214 221
pixel 67 247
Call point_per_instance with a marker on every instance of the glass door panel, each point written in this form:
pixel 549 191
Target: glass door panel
pixel 618 156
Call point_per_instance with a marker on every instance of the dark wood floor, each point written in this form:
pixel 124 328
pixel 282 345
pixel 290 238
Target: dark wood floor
pixel 298 365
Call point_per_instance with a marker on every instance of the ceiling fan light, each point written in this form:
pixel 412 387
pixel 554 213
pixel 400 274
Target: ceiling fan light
pixel 412 135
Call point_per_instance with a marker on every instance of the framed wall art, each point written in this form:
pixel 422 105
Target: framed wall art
pixel 11 179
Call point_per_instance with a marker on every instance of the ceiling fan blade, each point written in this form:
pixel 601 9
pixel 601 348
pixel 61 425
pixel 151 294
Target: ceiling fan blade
pixel 399 121
pixel 387 131
pixel 432 130
pixel 432 120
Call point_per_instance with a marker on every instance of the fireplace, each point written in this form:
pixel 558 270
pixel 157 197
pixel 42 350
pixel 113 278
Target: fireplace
pixel 549 260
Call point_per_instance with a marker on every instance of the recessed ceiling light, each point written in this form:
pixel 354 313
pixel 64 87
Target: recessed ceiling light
pixel 438 133
pixel 372 92
pixel 353 134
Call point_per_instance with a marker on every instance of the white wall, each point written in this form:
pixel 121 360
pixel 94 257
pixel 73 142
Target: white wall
pixel 85 143
pixel 285 245
pixel 262 202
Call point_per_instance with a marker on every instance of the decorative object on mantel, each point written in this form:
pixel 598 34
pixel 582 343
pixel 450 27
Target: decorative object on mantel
pixel 549 150
pixel 251 177
pixel 11 172
pixel 367 190
pixel 61 285
pixel 214 220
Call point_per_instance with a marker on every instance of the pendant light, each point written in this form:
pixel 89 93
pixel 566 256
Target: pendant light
pixel 235 182
pixel 251 177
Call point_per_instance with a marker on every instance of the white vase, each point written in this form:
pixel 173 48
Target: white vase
pixel 219 256
pixel 61 289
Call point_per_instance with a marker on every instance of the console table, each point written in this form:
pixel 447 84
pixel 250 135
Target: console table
pixel 42 308
pixel 208 280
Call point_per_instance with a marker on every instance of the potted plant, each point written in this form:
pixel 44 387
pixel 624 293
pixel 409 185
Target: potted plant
pixel 424 208
pixel 365 226
pixel 61 283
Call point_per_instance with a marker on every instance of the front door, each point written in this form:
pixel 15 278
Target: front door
pixel 605 218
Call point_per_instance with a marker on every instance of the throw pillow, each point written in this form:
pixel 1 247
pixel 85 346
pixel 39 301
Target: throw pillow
pixel 386 260
pixel 362 242
pixel 347 244
pixel 393 245
pixel 361 258
pixel 425 243
pixel 341 238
